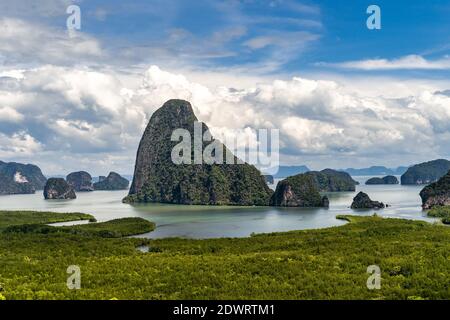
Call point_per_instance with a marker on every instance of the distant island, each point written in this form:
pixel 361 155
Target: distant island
pixel 426 173
pixel 329 180
pixel 376 171
pixel 18 178
pixel 286 171
pixel 384 180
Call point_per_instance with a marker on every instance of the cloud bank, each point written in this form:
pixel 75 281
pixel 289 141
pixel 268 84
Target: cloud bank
pixel 77 118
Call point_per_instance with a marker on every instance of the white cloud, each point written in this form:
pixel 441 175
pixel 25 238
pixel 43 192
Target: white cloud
pixel 98 116
pixel 18 144
pixel 26 43
pixel 8 114
pixel 413 62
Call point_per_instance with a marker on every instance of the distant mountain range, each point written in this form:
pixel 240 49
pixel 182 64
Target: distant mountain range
pixel 287 171
pixel 376 171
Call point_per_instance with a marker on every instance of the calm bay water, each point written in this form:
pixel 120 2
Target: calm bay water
pixel 212 222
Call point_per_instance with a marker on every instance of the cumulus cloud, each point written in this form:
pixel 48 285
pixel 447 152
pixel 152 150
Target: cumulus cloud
pixel 27 43
pixel 18 144
pixel 94 119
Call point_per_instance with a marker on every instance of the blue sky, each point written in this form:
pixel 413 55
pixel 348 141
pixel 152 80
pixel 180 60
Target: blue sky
pixel 340 94
pixel 294 35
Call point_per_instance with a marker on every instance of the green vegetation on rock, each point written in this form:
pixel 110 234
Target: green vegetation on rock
pixel 437 193
pixel 158 179
pixel 425 173
pixel 113 181
pixel 441 212
pixel 330 180
pixel 384 180
pixel 298 191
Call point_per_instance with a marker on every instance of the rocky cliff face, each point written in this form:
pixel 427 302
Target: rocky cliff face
pixel 384 180
pixel 158 179
pixel 436 194
pixel 17 178
pixel 298 191
pixel 329 180
pixel 10 185
pixel 80 181
pixel 112 182
pixel 59 189
pixel 362 201
pixel 426 173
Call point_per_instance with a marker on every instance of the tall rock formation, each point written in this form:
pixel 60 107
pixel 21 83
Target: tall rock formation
pixel 80 181
pixel 158 179
pixel 58 189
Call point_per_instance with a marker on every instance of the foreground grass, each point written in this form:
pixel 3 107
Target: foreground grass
pixel 441 212
pixel 414 258
pixel 14 218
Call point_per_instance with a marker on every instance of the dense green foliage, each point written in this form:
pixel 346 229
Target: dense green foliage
pixel 441 212
pixel 15 218
pixel 437 193
pixel 111 229
pixel 158 179
pixel 384 180
pixel 425 173
pixel 329 180
pixel 298 191
pixel 314 264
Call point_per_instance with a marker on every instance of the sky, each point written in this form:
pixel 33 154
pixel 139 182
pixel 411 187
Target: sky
pixel 341 95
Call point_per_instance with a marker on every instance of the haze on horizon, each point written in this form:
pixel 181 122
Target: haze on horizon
pixel 340 94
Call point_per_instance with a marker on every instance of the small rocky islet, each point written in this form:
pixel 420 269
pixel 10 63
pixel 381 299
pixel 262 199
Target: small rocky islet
pixel 363 201
pixel 81 181
pixel 384 180
pixel 58 189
